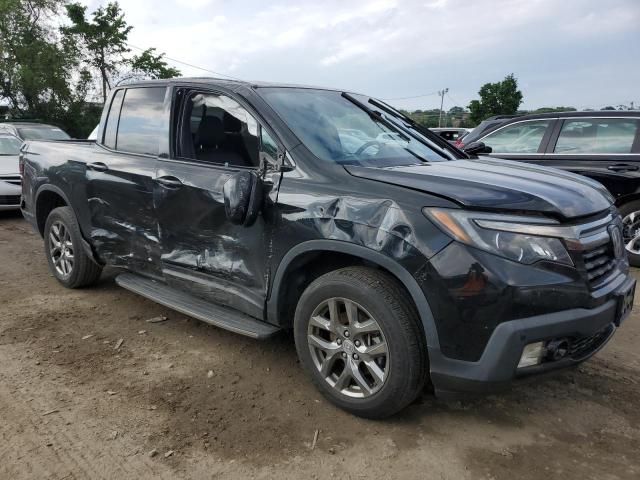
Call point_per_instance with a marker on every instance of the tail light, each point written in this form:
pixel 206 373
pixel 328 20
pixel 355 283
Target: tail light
pixel 459 144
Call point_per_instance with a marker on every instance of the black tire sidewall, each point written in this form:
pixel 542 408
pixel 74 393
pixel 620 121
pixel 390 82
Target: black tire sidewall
pixel 66 216
pixel 388 399
pixel 624 210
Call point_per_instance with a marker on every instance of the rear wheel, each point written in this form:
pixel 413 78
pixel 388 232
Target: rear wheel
pixel 359 337
pixel 631 230
pixel 68 261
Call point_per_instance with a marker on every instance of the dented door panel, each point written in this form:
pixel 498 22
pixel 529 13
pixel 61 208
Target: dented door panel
pixel 201 250
pixel 124 229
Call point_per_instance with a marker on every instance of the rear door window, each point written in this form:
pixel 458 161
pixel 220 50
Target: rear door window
pixel 141 123
pixel 521 137
pixel 597 136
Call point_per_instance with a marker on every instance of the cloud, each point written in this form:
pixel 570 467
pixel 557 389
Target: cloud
pixel 394 48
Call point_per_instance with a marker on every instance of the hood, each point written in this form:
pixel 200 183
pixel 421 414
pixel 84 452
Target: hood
pixel 9 165
pixel 487 183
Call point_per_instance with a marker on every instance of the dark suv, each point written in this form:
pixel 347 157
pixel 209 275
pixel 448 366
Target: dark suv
pixel 395 258
pixel 601 145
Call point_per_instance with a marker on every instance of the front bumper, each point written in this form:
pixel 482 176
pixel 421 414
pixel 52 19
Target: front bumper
pixel 498 364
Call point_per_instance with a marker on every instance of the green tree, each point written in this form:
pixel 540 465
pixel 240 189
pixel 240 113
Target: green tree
pixel 39 75
pixel 500 98
pixel 103 39
pixel 102 42
pixel 552 109
pixel 151 66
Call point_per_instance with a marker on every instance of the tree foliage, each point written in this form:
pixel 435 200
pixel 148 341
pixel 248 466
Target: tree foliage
pixel 500 98
pixel 50 73
pixel 152 66
pixel 102 41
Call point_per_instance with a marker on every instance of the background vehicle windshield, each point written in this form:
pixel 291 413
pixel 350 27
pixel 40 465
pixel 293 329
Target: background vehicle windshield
pixel 335 129
pixel 9 146
pixel 44 132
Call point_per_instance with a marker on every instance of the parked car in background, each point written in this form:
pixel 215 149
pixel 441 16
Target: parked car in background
pixel 396 261
pixel 451 134
pixel 10 189
pixel 604 146
pixel 33 131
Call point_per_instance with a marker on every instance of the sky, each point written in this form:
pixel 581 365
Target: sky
pixel 581 53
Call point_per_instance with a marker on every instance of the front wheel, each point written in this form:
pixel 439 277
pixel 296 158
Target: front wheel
pixel 631 230
pixel 67 259
pixel 359 337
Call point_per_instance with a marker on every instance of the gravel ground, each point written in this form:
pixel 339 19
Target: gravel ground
pixel 181 399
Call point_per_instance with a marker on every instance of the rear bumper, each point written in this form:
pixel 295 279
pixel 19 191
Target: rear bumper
pixel 497 366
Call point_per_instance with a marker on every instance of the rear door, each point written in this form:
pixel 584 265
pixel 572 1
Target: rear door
pixel 202 252
pixel 120 179
pixel 605 149
pixel 524 140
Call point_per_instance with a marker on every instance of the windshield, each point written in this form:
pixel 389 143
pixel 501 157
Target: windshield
pixel 43 132
pixel 9 146
pixel 336 129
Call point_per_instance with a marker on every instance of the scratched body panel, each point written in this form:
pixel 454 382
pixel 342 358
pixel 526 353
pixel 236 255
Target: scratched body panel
pixel 201 249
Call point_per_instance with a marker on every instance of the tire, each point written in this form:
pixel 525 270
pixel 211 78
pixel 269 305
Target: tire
pixel 375 296
pixel 631 225
pixel 68 261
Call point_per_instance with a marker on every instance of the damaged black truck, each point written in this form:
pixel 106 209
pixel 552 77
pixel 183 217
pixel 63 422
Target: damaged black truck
pixel 397 260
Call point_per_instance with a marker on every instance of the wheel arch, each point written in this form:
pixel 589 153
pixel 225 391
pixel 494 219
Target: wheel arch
pixel 47 198
pixel 294 260
pixel 631 197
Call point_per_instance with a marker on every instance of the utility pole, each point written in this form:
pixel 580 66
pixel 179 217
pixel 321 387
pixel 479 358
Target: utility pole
pixel 441 93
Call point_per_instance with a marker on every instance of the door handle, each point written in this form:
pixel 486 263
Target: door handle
pixel 623 167
pixel 169 182
pixel 98 167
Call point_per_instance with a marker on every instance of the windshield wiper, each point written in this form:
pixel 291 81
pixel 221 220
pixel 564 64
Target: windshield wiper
pixel 376 117
pixel 437 139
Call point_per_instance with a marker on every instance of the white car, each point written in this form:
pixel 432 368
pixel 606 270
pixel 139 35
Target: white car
pixel 10 180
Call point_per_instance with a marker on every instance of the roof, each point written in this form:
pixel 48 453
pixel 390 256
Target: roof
pixel 227 82
pixel 595 113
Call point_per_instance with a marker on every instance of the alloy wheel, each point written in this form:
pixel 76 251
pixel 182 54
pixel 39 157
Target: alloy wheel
pixel 631 232
pixel 61 249
pixel 348 347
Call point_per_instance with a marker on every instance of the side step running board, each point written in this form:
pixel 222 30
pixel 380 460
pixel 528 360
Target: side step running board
pixel 208 312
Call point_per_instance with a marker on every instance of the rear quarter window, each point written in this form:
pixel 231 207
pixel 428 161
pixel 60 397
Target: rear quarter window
pixel 141 124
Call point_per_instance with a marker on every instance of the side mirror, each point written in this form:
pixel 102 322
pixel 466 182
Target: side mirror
pixel 242 197
pixel 477 148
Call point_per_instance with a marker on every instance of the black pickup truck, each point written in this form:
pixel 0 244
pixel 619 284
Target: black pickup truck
pixel 396 259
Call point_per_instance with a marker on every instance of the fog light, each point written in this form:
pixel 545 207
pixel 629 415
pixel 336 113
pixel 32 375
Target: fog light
pixel 531 355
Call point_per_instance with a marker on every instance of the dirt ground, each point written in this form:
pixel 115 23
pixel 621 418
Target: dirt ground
pixel 213 404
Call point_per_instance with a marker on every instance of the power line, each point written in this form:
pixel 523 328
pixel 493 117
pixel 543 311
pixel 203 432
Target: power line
pixel 455 102
pixel 408 98
pixel 188 64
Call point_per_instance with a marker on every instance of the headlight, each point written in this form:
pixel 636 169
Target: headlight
pixel 517 238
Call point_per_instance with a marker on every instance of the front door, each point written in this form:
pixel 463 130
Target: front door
pixel 119 181
pixel 202 252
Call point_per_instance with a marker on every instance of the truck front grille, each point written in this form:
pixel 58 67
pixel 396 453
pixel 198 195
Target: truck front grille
pixel 598 263
pixel 580 348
